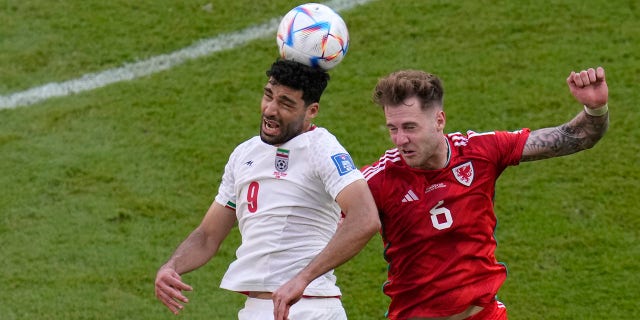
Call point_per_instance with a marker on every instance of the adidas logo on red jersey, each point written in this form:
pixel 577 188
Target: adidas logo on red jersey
pixel 410 196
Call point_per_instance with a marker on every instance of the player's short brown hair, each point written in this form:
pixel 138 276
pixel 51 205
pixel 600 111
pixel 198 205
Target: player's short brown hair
pixel 400 85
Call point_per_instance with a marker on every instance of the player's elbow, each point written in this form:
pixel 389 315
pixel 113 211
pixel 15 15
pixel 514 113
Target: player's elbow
pixel 372 223
pixel 366 222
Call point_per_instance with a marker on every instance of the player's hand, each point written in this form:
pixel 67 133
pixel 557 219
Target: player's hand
pixel 589 87
pixel 286 296
pixel 169 287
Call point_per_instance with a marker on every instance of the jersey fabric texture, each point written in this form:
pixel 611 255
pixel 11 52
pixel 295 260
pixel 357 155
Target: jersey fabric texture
pixel 494 311
pixel 438 225
pixel 304 309
pixel 284 200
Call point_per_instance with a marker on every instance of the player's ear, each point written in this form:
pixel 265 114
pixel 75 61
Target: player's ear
pixel 312 111
pixel 441 120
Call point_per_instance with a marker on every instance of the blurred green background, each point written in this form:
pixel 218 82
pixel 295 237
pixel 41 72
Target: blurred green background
pixel 99 187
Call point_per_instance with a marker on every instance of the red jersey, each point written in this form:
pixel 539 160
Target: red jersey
pixel 438 225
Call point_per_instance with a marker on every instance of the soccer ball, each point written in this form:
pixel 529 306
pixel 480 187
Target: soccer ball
pixel 313 34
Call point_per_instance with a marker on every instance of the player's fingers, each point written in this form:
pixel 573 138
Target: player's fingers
pixel 280 309
pixel 177 295
pixel 576 79
pixel 277 313
pixel 174 281
pixel 591 72
pixel 180 285
pixel 570 81
pixel 600 73
pixel 173 306
pixel 169 302
pixel 584 78
pixel 171 291
pixel 285 316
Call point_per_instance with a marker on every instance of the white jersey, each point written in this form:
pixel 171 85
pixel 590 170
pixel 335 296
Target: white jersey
pixel 284 199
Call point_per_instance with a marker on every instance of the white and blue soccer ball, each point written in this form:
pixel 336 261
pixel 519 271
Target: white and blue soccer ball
pixel 313 34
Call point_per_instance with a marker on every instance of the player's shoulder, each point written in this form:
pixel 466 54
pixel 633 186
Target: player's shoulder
pixel 473 137
pixel 322 133
pixel 472 142
pixel 388 160
pixel 460 139
pixel 252 146
pixel 321 142
pixel 491 145
pixel 249 143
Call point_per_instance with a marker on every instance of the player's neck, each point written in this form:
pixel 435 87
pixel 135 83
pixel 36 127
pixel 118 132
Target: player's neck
pixel 440 158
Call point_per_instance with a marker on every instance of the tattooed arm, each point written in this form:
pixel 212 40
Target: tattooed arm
pixel 582 132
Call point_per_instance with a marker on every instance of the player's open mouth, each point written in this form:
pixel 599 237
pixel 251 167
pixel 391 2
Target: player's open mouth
pixel 407 153
pixel 270 127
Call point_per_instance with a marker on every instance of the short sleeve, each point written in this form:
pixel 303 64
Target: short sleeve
pixel 226 191
pixel 334 165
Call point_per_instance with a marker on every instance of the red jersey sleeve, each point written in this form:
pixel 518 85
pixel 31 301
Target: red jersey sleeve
pixel 504 148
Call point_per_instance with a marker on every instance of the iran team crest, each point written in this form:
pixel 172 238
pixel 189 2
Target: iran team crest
pixel 282 160
pixel 464 173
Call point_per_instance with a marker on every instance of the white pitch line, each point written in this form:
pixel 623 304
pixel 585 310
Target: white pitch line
pixel 130 71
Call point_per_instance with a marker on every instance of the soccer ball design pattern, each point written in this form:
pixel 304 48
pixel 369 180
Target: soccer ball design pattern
pixel 313 34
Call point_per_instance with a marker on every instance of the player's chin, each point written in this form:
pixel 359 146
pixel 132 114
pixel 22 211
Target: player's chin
pixel 410 158
pixel 270 139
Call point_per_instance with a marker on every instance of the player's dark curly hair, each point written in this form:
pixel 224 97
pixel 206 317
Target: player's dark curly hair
pixel 312 81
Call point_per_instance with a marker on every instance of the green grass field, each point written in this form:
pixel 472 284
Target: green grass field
pixel 99 187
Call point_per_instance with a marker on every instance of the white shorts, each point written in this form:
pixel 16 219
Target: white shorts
pixel 305 309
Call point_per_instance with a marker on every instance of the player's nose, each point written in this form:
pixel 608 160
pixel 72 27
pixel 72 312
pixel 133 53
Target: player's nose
pixel 269 108
pixel 400 139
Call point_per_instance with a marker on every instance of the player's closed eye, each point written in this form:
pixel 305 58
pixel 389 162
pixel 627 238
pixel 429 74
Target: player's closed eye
pixel 409 127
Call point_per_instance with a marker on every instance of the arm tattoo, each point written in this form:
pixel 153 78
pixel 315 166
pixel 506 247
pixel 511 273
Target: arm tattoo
pixel 581 133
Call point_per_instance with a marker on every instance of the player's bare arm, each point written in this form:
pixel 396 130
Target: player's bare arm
pixel 196 250
pixel 582 132
pixel 361 222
